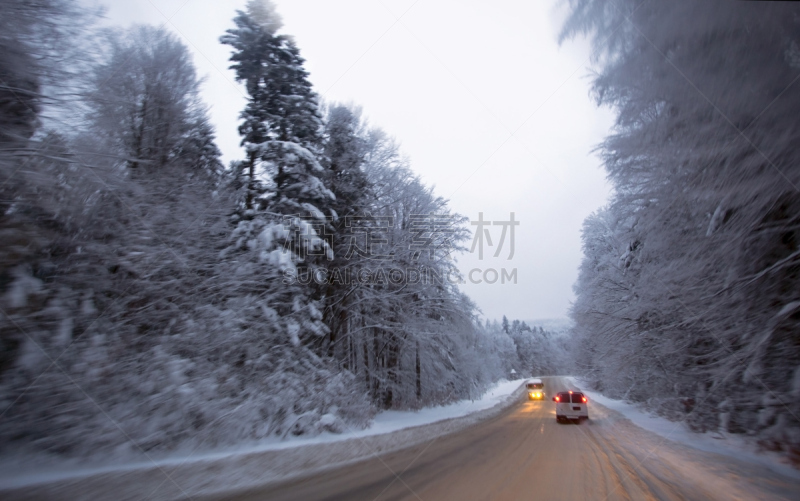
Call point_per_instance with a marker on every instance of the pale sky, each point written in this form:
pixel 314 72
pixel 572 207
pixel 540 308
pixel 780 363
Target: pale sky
pixel 486 105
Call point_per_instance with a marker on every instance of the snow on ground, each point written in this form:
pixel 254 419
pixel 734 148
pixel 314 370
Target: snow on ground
pixel 726 444
pixel 390 421
pixel 15 474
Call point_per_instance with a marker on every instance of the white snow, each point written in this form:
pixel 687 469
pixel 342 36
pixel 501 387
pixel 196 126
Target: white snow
pixel 390 421
pixel 726 444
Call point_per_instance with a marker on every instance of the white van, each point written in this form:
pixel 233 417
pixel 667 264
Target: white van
pixel 571 405
pixel 535 389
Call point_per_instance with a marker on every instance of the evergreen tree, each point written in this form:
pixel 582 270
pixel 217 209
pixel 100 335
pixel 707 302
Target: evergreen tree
pixel 344 154
pixel 282 126
pixel 285 195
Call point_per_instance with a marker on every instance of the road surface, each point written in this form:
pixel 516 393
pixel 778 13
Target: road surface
pixel 524 454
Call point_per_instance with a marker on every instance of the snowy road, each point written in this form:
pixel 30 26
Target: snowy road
pixel 524 454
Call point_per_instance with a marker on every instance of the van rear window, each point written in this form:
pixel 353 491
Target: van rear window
pixel 577 398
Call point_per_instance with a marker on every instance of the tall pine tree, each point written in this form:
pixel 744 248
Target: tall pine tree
pixel 287 204
pixel 282 126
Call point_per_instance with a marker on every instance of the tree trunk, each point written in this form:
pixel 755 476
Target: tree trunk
pixel 419 374
pixel 251 169
pixel 138 136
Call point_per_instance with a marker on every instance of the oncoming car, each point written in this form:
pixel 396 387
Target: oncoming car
pixel 535 389
pixel 571 405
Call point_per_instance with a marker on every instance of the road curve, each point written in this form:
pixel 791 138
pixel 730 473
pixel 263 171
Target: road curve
pixel 524 454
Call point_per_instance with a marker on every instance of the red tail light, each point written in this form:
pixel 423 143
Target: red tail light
pixel 584 399
pixel 558 399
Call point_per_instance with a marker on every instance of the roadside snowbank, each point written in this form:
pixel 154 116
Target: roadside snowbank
pixel 389 421
pixel 718 442
pixel 214 471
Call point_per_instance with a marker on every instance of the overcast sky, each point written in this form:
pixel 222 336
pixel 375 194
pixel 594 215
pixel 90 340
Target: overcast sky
pixel 487 106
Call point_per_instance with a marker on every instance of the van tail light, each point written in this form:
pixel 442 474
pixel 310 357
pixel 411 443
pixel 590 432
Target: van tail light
pixel 558 399
pixel 584 399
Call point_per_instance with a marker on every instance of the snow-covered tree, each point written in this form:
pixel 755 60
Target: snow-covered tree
pixel 144 98
pixel 282 127
pixel 131 298
pixel 687 294
pixel 135 318
pixel 408 339
pixel 286 200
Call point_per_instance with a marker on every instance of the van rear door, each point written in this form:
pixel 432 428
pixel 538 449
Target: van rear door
pixel 578 404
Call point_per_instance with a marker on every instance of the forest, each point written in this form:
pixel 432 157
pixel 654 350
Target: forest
pixel 153 298
pixel 688 298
